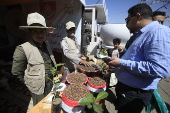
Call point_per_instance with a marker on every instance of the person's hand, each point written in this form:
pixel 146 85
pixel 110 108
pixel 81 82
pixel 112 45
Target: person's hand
pixel 114 62
pixel 85 63
pixel 120 48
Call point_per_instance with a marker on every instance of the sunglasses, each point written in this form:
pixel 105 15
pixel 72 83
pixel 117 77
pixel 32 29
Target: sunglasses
pixel 127 20
pixel 43 32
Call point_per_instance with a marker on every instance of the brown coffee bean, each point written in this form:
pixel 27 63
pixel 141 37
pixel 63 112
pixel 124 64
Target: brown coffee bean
pixel 75 91
pixel 97 81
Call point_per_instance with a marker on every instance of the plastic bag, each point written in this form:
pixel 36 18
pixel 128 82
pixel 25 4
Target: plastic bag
pixel 113 80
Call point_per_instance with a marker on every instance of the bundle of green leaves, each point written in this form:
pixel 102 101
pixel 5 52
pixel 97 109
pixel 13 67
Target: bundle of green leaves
pixel 103 51
pixel 56 74
pixel 93 102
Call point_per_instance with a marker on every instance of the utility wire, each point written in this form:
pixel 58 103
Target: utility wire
pixel 97 1
pixel 163 5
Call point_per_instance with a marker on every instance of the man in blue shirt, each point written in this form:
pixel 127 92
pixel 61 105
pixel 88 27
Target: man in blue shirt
pixel 145 62
pixel 156 101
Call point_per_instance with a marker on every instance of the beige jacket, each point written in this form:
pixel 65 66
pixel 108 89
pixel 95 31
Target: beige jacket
pixel 35 73
pixel 73 50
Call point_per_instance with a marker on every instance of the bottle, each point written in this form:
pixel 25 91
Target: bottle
pixel 98 50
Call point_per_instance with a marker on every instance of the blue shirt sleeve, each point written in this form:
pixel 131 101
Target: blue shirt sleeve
pixel 156 55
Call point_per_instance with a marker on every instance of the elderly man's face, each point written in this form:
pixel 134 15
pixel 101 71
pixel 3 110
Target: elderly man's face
pixel 159 18
pixel 38 35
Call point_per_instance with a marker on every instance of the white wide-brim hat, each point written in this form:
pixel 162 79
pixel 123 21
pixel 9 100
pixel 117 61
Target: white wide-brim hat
pixel 35 20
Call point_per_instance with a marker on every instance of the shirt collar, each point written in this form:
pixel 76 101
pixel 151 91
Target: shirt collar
pixel 148 26
pixel 38 45
pixel 74 38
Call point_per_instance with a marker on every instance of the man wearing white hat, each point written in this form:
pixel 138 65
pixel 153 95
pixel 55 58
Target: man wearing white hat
pixel 71 53
pixel 28 58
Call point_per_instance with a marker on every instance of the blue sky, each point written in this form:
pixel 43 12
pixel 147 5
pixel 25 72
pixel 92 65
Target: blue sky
pixel 117 9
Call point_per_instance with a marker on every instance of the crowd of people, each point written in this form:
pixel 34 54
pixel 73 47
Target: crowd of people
pixel 139 66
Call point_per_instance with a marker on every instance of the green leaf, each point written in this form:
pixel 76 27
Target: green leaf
pixel 46 64
pixel 102 95
pixel 60 64
pixel 87 100
pixel 56 84
pixel 89 106
pixel 97 108
pixel 90 96
pixel 58 72
pixel 48 78
pixel 54 99
pixel 52 72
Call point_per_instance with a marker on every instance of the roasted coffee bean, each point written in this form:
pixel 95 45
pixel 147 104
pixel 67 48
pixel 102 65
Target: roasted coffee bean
pixel 77 78
pixel 97 81
pixel 75 91
pixel 92 68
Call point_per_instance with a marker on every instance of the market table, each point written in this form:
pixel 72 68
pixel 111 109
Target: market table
pixel 39 108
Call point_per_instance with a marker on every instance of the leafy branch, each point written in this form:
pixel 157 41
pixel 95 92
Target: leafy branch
pixel 56 74
pixel 93 102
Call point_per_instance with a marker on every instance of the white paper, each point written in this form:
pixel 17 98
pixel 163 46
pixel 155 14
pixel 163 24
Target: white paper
pixel 50 98
pixel 60 87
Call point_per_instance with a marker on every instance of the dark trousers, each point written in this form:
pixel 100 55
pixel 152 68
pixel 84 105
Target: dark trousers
pixel 37 98
pixel 131 100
